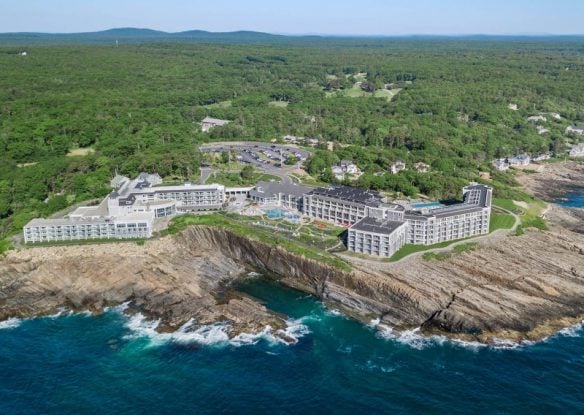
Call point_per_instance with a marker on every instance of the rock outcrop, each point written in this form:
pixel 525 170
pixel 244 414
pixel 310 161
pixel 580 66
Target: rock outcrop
pixel 524 288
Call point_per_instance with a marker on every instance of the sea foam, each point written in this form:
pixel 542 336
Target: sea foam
pixel 415 340
pixel 11 323
pixel 211 335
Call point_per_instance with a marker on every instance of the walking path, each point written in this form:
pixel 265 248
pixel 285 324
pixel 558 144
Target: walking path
pixel 381 265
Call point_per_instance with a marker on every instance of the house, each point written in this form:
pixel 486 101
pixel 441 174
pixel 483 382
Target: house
pixel 542 157
pixel 312 142
pixel 501 164
pixel 577 129
pixel 577 151
pixel 537 118
pixel 422 167
pixel 23 53
pixel 542 130
pixel 209 123
pixel 513 107
pixel 118 181
pixel 556 116
pixel 338 173
pixel 291 139
pixel 519 160
pixel 398 166
pixel 346 167
pixel 349 167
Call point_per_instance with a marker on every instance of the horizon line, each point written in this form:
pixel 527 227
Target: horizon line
pixel 303 34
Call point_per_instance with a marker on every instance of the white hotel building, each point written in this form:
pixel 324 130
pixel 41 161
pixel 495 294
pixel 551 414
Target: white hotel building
pixel 383 237
pixel 128 212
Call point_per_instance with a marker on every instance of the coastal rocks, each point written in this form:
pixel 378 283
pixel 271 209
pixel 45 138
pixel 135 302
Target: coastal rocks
pixel 523 287
pixel 161 280
pixel 511 289
pixel 555 180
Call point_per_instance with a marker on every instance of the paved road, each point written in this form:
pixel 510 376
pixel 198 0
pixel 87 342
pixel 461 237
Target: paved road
pixel 380 265
pixel 206 172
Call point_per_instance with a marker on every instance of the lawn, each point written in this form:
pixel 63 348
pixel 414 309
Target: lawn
pixel 80 152
pixel 248 230
pixel 279 104
pixel 530 213
pixel 222 104
pixel 501 221
pixel 409 249
pixel 386 93
pixel 505 204
pixel 356 92
pixel 5 245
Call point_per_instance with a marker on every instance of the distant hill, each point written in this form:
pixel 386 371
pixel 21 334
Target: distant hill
pixel 130 35
pixel 135 35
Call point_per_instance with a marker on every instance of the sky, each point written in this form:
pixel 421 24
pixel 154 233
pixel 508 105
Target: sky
pixel 348 17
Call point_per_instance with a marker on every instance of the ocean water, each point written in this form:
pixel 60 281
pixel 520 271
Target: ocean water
pixel 573 199
pixel 115 364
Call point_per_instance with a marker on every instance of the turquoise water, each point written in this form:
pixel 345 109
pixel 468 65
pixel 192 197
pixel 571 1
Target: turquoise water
pixel 422 205
pixel 573 199
pixel 113 364
pixel 280 213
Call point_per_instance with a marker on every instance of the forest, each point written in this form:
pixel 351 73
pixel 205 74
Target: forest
pixel 73 115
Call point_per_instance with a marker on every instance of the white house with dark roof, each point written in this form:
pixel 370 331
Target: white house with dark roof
pixel 422 167
pixel 208 123
pixel 577 151
pixel 397 166
pixel 576 129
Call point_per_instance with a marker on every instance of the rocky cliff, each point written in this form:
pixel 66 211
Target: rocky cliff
pixel 524 288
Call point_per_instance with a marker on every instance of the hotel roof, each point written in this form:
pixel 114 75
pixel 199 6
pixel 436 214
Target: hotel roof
pixel 138 216
pixel 350 194
pixel 373 225
pixel 270 189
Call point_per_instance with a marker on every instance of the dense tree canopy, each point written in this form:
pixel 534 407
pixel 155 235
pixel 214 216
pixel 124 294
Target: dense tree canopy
pixel 138 108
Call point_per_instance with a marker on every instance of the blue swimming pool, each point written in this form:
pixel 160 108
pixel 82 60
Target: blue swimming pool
pixel 422 205
pixel 282 214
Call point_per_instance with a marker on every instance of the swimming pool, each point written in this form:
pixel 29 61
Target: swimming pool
pixel 283 214
pixel 430 205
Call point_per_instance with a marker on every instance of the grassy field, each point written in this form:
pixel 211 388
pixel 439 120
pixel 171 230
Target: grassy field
pixel 245 228
pixel 409 249
pixel 505 204
pixel 80 152
pixel 4 246
pixel 22 165
pixel 501 221
pixel 278 104
pixel 386 93
pixel 222 104
pixel 530 212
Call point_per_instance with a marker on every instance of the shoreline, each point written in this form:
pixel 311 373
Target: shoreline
pixel 512 289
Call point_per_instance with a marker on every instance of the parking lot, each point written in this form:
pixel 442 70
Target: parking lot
pixel 265 156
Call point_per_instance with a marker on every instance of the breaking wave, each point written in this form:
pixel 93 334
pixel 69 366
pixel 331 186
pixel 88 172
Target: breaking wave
pixel 11 323
pixel 212 335
pixel 416 340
